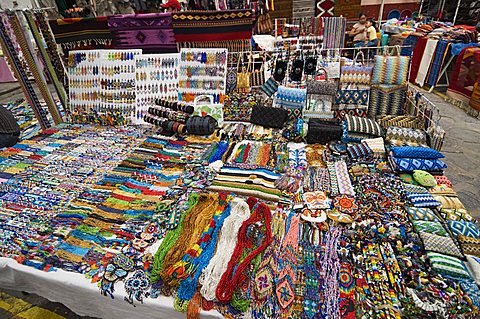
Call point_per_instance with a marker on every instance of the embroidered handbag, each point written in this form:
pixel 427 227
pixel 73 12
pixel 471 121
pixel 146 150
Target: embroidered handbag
pixel 390 69
pixel 326 87
pixel 257 77
pixel 238 106
pixel 310 67
pixel 268 116
pixel 318 106
pixel 386 100
pixel 291 99
pixel 352 96
pixel 243 76
pixel 270 87
pixel 356 74
pixel 203 109
pixel 231 79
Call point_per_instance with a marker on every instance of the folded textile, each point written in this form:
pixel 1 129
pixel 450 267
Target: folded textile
pixel 403 164
pixel 448 265
pixel 416 152
pixel 419 196
pixel 440 244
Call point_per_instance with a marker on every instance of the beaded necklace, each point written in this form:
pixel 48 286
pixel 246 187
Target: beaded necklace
pixel 233 276
pixel 227 242
pixel 170 239
pixel 330 266
pixel 198 255
pixel 193 226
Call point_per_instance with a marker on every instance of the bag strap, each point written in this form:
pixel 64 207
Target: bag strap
pixel 238 61
pixel 200 97
pixel 356 57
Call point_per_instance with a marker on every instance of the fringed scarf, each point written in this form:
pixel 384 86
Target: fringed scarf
pixel 82 33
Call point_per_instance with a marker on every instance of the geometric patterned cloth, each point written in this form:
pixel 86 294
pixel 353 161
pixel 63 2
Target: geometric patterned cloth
pixel 440 244
pixel 152 32
pixel 470 245
pixel 406 136
pixel 422 214
pixel 362 125
pixel 472 291
pixel 410 164
pixel 456 214
pixel 464 228
pixel 428 227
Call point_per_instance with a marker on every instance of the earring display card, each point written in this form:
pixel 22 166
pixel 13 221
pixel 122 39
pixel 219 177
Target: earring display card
pixel 202 72
pixel 156 77
pixel 102 83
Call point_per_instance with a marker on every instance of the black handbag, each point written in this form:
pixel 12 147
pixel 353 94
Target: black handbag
pixel 296 72
pixel 280 70
pixel 323 132
pixel 268 116
pixel 201 125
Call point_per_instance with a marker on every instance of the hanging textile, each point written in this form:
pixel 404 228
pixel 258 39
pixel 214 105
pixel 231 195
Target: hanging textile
pixel 417 58
pixel 324 8
pixel 49 69
pixel 152 32
pixel 334 32
pixel 20 28
pixel 11 53
pixel 82 33
pixel 438 60
pixel 51 46
pixel 465 74
pixel 230 29
pixel 426 61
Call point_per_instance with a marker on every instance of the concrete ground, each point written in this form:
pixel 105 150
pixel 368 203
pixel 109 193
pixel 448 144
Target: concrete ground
pixel 461 148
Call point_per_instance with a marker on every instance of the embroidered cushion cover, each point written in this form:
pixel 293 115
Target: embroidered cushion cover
pixel 470 245
pixel 456 214
pixel 430 227
pixel 422 214
pixel 362 125
pixel 400 136
pixel 440 244
pixel 424 178
pixel 464 228
pixel 416 152
pixel 449 202
pixel 411 164
pixel 435 228
pixel 448 265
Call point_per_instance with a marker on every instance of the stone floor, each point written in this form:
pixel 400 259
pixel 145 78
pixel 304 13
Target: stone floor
pixel 461 148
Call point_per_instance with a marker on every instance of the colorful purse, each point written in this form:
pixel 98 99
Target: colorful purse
pixel 317 86
pixel 214 110
pixel 391 70
pixel 243 76
pixel 270 87
pixel 238 106
pixel 231 79
pixel 257 76
pixel 291 99
pixel 387 99
pixel 356 74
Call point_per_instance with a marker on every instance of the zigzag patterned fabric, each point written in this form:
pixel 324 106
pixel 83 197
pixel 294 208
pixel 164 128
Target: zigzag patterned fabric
pixel 470 245
pixel 406 136
pixel 354 74
pixel 440 244
pixel 401 121
pixel 410 164
pixel 390 70
pixel 386 99
pixel 464 228
pixel 447 265
pixel 419 196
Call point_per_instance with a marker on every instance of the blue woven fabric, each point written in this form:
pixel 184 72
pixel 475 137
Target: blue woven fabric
pixel 437 63
pixel 411 164
pixel 464 228
pixel 416 152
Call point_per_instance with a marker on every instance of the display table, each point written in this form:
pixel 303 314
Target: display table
pixel 5 73
pixel 74 291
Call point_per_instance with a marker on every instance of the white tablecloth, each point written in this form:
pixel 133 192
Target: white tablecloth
pixel 77 293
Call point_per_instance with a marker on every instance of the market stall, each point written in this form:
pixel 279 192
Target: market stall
pixel 238 183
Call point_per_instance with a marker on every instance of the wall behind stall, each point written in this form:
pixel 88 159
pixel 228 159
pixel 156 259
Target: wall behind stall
pixel 22 4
